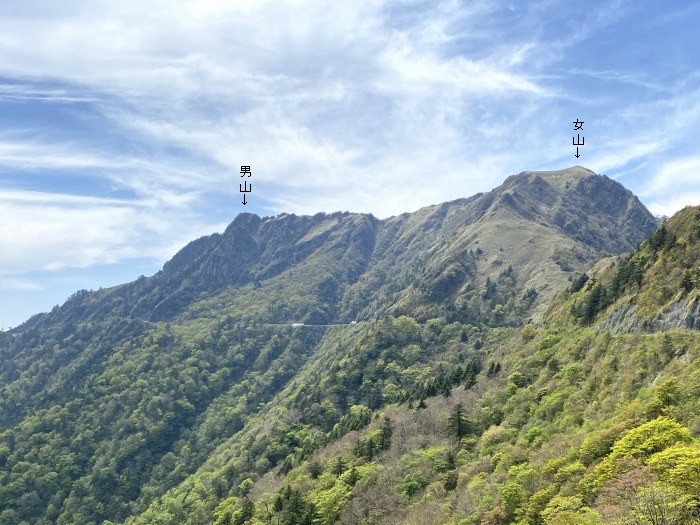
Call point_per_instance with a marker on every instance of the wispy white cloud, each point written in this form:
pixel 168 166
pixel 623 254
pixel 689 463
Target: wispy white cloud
pixel 167 180
pixel 371 105
pixel 31 93
pixel 673 203
pixel 682 173
pixel 636 79
pixel 10 283
pixel 96 236
pixel 42 198
pixel 674 185
pixel 30 154
pixel 48 231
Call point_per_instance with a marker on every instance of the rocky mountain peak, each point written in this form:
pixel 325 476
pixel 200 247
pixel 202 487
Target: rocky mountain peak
pixel 538 228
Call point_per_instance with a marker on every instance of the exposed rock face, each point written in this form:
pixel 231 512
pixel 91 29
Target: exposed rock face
pixel 664 293
pixel 680 314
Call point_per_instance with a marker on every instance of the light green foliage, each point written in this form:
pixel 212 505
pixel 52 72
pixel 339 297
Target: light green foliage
pixel 661 504
pixel 537 503
pixel 638 443
pixel 233 511
pixel 582 517
pixel 512 498
pixel 666 396
pixel 565 510
pixel 597 445
pixel 571 471
pixel 518 379
pixel 494 435
pixel 412 483
pixel 528 333
pixel 679 465
pixel 407 329
pixel 245 486
pixel 412 354
pixel 440 458
pixel 329 503
pixel 649 438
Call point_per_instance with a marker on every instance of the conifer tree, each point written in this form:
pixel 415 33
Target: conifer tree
pixel 385 434
pixel 315 469
pixel 458 425
pixel 352 477
pixel 338 466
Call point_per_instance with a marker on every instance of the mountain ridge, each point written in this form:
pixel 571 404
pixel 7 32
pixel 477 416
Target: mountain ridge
pixel 253 249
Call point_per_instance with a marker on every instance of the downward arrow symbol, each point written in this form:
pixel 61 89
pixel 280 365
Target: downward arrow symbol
pixel 244 202
pixel 577 155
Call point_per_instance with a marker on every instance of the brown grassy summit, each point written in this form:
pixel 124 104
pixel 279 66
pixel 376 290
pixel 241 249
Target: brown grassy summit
pixel 537 227
pixel 558 178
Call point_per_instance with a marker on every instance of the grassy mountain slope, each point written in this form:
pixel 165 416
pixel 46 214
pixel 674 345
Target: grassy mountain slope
pixel 192 381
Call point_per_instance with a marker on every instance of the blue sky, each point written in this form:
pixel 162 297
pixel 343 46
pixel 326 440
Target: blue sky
pixel 123 125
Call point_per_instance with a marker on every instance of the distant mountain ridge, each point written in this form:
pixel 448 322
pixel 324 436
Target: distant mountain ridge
pixel 544 225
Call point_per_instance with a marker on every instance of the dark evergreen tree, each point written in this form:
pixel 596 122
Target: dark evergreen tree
pixel 458 425
pixel 245 513
pixel 352 477
pixel 494 368
pixel 469 379
pixel 446 390
pixel 687 282
pixel 456 376
pixel 315 469
pixel 579 282
pixel 338 466
pixel 386 431
pixel 450 482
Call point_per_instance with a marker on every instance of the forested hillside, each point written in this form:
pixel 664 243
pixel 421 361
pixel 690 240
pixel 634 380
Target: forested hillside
pixel 471 376
pixel 566 423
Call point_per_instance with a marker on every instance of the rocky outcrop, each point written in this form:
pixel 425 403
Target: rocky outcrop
pixel 679 314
